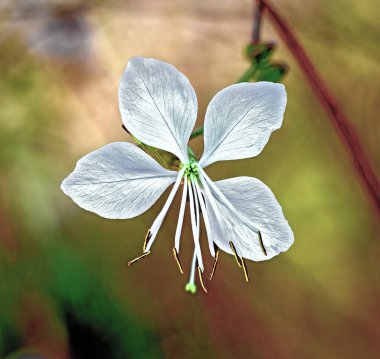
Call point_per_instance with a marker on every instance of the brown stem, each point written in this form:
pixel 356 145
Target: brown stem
pixel 342 125
pixel 256 26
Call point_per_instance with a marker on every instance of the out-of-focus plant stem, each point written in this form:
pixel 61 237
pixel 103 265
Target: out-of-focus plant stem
pixel 340 122
pixel 248 74
pixel 196 133
pixel 257 53
pixel 256 25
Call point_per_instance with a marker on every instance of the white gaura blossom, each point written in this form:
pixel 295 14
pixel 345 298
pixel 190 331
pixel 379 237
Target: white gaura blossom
pixel 158 106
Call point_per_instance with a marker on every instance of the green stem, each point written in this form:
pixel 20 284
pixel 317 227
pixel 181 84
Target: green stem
pixel 248 74
pixel 196 133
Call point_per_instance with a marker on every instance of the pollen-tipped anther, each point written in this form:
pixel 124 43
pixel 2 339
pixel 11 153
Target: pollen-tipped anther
pixel 133 261
pixel 214 263
pixel 201 280
pixel 238 259
pixel 262 243
pixel 125 129
pixel 146 240
pixel 176 257
pixel 244 269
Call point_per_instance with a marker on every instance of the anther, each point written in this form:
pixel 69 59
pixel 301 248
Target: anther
pixel 148 236
pixel 133 261
pixel 238 260
pixel 262 244
pixel 245 269
pixel 201 280
pixel 214 263
pixel 125 129
pixel 176 257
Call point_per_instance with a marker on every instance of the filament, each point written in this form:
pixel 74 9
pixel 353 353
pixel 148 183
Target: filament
pixel 224 200
pixel 195 226
pixel 181 215
pixel 205 218
pixel 159 219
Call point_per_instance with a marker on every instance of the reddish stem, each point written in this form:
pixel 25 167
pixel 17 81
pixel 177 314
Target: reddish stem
pixel 342 125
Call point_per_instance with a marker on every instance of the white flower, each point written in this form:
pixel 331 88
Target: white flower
pixel 159 107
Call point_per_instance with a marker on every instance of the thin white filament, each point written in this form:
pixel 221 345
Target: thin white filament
pixel 224 200
pixel 198 224
pixel 194 228
pixel 181 215
pixel 159 219
pixel 192 271
pixel 205 218
pixel 210 197
pixel 196 206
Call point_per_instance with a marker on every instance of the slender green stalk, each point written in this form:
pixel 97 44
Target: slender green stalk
pixel 196 133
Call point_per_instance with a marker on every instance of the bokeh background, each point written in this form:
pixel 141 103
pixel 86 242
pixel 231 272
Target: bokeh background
pixel 65 288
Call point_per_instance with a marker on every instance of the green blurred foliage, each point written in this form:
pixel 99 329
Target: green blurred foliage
pixel 35 259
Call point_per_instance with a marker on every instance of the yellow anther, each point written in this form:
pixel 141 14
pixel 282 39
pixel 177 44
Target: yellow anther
pixel 133 261
pixel 262 244
pixel 201 280
pixel 176 257
pixel 215 263
pixel 238 261
pixel 245 269
pixel 146 240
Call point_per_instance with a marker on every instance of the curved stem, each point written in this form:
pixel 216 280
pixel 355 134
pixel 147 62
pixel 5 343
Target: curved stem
pixel 340 122
pixel 196 133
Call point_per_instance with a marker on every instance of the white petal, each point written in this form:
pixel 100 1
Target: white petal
pixel 158 105
pixel 240 119
pixel 254 203
pixel 118 180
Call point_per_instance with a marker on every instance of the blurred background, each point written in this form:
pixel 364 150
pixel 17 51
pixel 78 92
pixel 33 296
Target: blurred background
pixel 65 288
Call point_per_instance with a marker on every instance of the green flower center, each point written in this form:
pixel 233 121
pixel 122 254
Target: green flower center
pixel 191 169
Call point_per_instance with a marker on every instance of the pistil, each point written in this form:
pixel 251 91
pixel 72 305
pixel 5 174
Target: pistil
pixel 191 287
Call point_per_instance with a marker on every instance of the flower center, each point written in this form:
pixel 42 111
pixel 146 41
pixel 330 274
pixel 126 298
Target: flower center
pixel 191 169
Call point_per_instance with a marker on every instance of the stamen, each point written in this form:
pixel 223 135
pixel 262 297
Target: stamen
pixel 214 263
pixel 195 227
pixel 244 269
pixel 206 219
pixel 262 243
pixel 159 219
pixel 196 200
pixel 125 129
pixel 175 253
pixel 240 262
pixel 133 261
pixel 146 240
pixel 181 215
pixel 238 259
pixel 222 197
pixel 214 206
pixel 201 280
